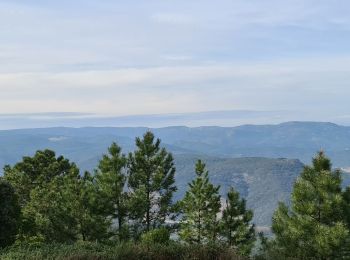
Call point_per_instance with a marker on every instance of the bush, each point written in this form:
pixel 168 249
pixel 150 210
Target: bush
pixel 156 236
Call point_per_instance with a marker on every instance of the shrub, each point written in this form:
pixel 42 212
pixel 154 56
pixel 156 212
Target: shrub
pixel 156 236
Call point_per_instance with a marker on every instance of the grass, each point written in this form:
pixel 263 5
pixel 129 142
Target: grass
pixel 130 251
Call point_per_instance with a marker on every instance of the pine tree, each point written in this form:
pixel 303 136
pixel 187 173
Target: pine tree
pixel 111 179
pixel 151 182
pixel 236 229
pixel 314 226
pixel 200 206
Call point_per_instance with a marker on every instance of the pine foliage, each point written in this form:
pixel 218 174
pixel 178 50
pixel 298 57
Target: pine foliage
pixel 111 180
pixel 236 228
pixel 200 206
pixel 315 225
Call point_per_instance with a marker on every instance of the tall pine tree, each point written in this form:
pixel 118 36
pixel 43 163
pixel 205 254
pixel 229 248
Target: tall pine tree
pixel 236 228
pixel 151 182
pixel 314 226
pixel 111 179
pixel 200 206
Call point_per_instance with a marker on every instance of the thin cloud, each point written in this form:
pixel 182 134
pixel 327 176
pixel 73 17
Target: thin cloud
pixel 273 85
pixel 173 18
pixel 177 57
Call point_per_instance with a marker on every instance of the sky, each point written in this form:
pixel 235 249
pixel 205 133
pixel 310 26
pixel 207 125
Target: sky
pixel 120 58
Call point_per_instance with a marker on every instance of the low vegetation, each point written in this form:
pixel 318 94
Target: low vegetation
pixel 125 209
pixel 130 251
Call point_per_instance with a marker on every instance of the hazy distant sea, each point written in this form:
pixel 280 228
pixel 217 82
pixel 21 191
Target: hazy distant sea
pixel 213 118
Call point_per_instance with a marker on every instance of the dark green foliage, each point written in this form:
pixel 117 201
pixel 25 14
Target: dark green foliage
pixel 44 197
pixel 35 172
pixel 49 214
pixel 9 214
pixel 151 182
pixel 88 208
pixel 111 180
pixel 236 228
pixel 200 206
pixel 346 198
pixel 315 225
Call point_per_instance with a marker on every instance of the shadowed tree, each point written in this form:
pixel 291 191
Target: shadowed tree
pixel 10 212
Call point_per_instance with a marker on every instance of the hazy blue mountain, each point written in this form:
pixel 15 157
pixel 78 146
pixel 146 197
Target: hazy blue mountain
pixel 294 140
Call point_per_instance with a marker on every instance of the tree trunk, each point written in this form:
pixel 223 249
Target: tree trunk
pixel 120 220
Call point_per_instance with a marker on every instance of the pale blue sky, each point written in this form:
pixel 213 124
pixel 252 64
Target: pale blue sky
pixel 149 57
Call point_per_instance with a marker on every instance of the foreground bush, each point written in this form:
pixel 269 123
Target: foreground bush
pixel 156 236
pixel 93 251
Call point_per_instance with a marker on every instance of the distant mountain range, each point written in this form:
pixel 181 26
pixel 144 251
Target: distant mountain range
pixel 294 140
pixel 261 161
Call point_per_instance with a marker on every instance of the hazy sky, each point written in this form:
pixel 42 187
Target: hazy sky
pixel 140 57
